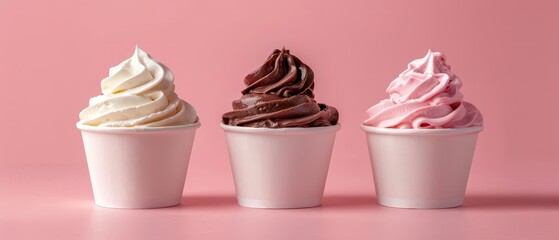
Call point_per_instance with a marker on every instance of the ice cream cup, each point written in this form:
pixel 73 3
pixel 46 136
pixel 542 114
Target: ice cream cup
pixel 138 167
pixel 421 168
pixel 280 168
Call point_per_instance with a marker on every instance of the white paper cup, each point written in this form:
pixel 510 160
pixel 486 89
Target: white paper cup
pixel 280 168
pixel 421 168
pixel 138 167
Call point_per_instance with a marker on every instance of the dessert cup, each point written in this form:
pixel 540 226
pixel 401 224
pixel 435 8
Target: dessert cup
pixel 421 168
pixel 138 167
pixel 280 168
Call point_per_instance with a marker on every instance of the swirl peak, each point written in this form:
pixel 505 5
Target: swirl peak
pixel 282 74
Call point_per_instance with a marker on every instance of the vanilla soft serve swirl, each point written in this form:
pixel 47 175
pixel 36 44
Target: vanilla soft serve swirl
pixel 139 92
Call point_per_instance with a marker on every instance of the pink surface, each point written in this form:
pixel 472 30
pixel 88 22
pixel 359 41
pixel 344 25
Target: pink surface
pixel 54 54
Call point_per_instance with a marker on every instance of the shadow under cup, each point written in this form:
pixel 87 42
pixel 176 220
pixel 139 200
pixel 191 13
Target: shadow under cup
pixel 421 168
pixel 280 168
pixel 138 167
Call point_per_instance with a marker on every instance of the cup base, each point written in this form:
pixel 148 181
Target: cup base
pixel 420 204
pixel 255 203
pixel 137 206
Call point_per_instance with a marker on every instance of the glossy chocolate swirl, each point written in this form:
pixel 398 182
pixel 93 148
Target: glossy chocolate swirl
pixel 282 74
pixel 280 94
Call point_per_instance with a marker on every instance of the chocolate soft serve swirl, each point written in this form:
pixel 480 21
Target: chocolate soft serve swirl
pixel 282 74
pixel 280 94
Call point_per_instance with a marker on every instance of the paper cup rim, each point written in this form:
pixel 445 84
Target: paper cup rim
pixel 280 131
pixel 412 131
pixel 89 128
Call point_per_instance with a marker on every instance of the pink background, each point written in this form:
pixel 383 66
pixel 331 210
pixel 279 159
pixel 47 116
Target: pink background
pixel 53 55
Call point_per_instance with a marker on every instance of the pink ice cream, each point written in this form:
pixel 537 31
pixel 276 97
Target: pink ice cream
pixel 426 95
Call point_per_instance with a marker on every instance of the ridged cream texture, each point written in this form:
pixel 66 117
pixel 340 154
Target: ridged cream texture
pixel 139 92
pixel 426 95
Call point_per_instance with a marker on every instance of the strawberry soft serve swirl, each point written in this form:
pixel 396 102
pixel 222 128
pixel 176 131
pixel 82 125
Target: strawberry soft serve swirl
pixel 426 95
